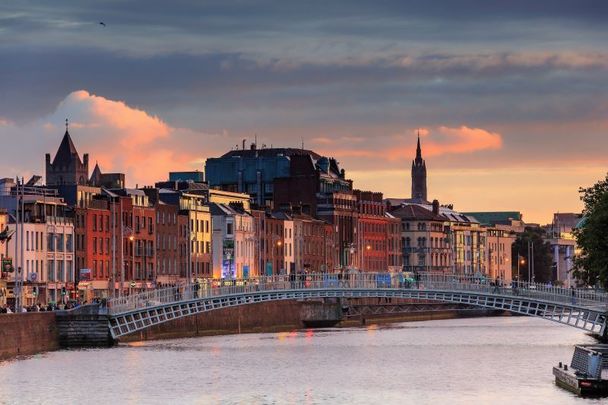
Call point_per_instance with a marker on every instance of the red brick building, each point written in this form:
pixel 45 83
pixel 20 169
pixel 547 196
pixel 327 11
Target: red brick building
pixel 167 244
pixel 372 231
pixel 139 239
pixel 340 210
pixel 93 248
pixel 378 234
pixel 269 254
pixel 313 250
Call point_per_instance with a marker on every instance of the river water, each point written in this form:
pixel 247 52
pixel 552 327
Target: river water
pixel 461 361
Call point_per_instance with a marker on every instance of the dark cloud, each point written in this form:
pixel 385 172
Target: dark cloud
pixel 357 67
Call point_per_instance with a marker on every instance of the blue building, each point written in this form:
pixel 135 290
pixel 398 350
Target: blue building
pixel 254 171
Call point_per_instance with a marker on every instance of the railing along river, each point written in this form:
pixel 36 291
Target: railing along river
pixel 351 281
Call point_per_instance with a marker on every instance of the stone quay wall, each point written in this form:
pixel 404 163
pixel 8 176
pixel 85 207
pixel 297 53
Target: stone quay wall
pixel 28 333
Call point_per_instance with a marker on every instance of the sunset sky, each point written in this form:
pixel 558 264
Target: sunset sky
pixel 510 98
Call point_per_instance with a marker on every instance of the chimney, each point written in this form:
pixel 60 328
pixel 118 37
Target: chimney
pixel 306 209
pixel 435 207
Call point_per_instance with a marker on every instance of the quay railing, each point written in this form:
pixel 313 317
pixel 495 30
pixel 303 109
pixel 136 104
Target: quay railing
pixel 360 281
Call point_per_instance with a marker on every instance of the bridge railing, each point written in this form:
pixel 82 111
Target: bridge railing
pixel 369 281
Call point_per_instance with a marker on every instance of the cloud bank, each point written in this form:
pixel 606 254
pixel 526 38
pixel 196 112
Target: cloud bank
pixel 119 137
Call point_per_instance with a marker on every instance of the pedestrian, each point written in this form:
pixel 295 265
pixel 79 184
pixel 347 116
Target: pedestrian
pixel 573 292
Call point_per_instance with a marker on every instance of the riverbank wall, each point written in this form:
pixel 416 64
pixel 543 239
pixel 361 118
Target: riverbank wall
pixel 28 333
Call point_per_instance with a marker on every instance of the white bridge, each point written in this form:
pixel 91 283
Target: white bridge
pixel 581 308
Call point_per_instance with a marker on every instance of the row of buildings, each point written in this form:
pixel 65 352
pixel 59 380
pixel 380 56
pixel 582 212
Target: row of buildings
pixel 254 211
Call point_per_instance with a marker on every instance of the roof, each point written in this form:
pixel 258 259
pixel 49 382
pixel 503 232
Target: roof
pixel 496 217
pixel 271 152
pixel 393 202
pixel 67 151
pixel 96 175
pixel 416 212
pixel 223 209
pixel 424 212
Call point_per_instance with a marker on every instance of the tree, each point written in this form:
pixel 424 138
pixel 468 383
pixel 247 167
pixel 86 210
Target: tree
pixel 591 260
pixel 542 259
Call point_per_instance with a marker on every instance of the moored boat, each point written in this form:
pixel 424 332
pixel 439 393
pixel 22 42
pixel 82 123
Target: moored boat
pixel 587 374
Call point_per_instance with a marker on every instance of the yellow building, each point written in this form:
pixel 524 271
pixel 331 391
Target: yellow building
pixel 500 239
pixel 229 197
pixel 199 229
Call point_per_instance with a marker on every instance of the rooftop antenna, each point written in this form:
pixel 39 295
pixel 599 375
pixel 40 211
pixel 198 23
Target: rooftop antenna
pixel 302 143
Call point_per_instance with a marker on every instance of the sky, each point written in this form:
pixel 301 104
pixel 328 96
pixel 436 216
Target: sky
pixel 510 98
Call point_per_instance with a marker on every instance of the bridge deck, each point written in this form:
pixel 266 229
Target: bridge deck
pixel 583 309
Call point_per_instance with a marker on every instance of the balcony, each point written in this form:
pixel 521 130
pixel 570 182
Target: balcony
pixel 422 268
pixel 411 249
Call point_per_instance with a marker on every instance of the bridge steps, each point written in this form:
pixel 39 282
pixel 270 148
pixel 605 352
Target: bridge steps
pixel 84 328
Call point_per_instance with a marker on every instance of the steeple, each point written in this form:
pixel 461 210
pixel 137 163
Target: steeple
pixel 419 174
pixel 418 150
pixel 66 168
pixel 67 151
pixel 95 176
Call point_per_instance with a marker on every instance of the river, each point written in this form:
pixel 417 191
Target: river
pixel 504 360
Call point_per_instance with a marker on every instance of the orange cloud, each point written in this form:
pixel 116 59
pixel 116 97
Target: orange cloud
pixel 443 140
pixel 126 139
pixel 462 140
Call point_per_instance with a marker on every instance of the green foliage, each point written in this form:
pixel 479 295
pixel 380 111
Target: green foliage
pixel 591 261
pixel 591 195
pixel 543 259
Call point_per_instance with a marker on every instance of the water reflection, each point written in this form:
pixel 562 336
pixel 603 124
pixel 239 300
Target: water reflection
pixel 463 361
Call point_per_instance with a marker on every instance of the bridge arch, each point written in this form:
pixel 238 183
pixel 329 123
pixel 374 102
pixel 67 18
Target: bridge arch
pixel 139 312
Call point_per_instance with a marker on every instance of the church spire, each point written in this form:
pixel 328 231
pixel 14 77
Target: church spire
pixel 419 174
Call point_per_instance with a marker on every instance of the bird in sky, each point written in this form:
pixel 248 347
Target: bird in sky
pixel 102 23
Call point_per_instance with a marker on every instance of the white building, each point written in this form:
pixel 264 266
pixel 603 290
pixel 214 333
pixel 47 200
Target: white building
pixel 42 245
pixel 233 242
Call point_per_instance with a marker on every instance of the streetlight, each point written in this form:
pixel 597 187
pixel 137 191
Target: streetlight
pixel 521 261
pixel 279 244
pixel 132 240
pixel 368 248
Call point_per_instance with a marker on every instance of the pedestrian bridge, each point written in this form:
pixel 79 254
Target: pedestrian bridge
pixel 580 308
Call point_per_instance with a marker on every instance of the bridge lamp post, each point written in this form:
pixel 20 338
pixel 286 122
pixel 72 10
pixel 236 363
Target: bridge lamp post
pixel 279 245
pixel 520 261
pixel 368 248
pixel 132 240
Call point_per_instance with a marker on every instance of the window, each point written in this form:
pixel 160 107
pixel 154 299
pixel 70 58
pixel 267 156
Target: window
pixel 229 228
pixel 60 271
pixel 51 242
pixel 51 270
pixel 68 243
pixel 60 242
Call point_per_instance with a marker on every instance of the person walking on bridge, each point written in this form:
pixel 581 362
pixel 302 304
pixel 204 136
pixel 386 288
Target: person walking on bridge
pixel 496 288
pixel 573 292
